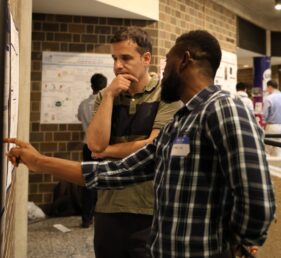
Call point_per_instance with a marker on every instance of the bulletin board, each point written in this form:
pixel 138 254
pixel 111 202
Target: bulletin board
pixel 10 96
pixel 66 82
pixel 9 79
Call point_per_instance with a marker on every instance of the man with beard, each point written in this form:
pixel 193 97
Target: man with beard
pixel 212 185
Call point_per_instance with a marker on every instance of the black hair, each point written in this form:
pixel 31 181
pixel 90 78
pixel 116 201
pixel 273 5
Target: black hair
pixel 241 86
pixel 202 46
pixel 272 83
pixel 135 34
pixel 98 82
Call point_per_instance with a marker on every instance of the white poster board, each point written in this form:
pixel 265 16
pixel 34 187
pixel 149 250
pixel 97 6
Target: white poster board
pixel 66 82
pixel 11 94
pixel 226 75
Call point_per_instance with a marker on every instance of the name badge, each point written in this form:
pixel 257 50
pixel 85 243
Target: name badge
pixel 180 146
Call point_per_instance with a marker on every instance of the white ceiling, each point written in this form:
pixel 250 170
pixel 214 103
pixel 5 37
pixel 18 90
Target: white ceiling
pixel 260 12
pixel 85 8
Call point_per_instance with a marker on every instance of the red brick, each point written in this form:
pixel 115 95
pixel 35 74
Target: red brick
pixel 77 47
pixel 102 30
pixel 38 36
pixel 62 155
pixel 74 146
pixel 63 37
pixel 76 28
pixel 76 38
pixel 36 46
pixel 65 136
pixel 34 127
pixel 50 27
pixel 35 106
pixel 36 55
pixel 89 38
pixel 34 116
pixel 49 127
pixel 50 46
pixel 33 188
pixel 36 137
pixel 74 127
pixel 37 198
pixel 48 146
pixel 46 187
pixel 62 146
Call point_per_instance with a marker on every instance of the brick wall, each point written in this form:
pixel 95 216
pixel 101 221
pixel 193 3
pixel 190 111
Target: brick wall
pixel 92 34
pixel 177 17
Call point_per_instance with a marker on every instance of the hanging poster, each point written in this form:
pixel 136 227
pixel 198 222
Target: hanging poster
pixel 226 75
pixel 66 82
pixel 11 93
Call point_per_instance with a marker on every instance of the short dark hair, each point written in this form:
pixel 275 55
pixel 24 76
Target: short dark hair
pixel 98 82
pixel 241 86
pixel 272 83
pixel 135 34
pixel 202 46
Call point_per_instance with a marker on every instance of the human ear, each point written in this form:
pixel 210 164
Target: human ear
pixel 185 60
pixel 147 58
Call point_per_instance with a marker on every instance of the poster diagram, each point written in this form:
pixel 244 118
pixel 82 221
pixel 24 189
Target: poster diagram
pixel 66 82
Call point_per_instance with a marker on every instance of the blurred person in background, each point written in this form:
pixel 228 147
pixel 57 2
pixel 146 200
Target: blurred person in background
pixel 241 92
pixel 272 115
pixel 85 114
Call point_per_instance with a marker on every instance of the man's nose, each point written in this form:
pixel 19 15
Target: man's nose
pixel 118 64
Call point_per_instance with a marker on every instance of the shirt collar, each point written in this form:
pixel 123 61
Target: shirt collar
pixel 199 98
pixel 153 83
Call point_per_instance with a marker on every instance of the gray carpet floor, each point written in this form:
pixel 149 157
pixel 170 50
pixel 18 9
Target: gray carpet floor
pixel 45 241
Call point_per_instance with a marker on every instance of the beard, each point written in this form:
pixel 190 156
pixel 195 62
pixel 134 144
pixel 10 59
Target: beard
pixel 171 88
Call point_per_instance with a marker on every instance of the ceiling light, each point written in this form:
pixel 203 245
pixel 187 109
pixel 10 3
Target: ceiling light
pixel 277 5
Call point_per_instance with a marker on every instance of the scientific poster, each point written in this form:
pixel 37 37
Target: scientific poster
pixel 66 82
pixel 11 93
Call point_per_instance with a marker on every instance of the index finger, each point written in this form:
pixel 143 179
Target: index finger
pixel 15 141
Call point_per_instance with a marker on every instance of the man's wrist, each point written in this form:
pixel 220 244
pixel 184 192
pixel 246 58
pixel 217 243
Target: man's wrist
pixel 108 94
pixel 42 163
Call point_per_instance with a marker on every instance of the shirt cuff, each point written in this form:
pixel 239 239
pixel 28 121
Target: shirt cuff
pixel 89 171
